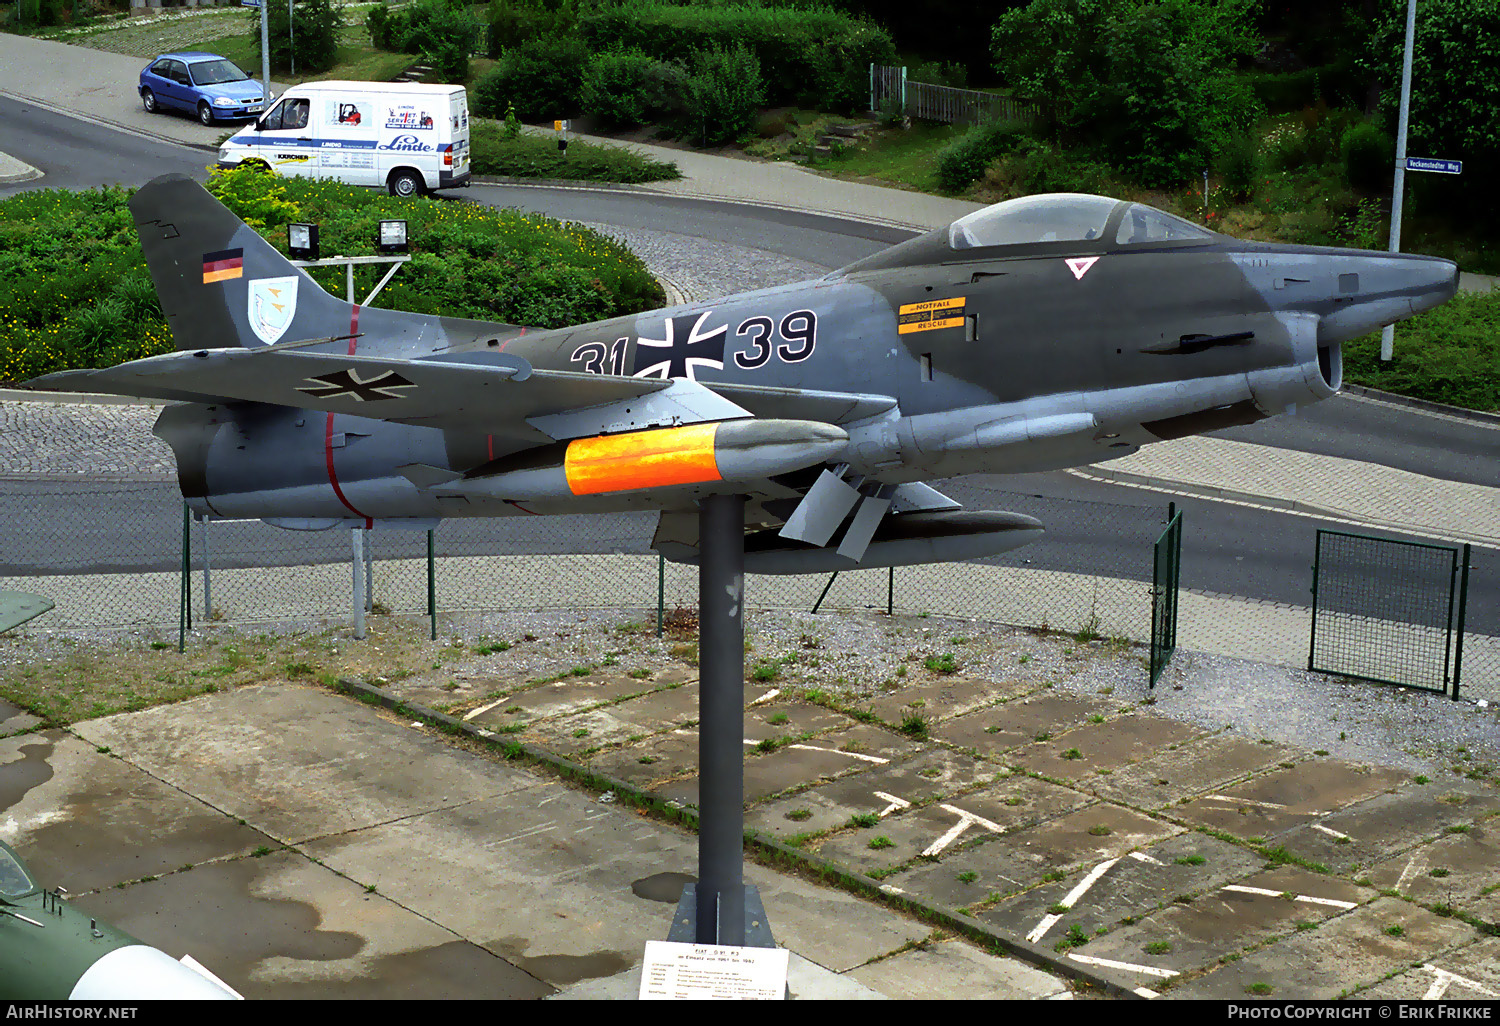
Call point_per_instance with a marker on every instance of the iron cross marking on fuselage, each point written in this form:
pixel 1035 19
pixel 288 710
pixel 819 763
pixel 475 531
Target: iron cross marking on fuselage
pixel 385 385
pixel 685 348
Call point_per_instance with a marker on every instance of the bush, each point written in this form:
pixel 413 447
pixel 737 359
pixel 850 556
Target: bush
pixel 382 28
pixel 1147 86
pixel 513 22
pixel 1369 156
pixel 75 292
pixel 627 88
pixel 541 79
pixel 1240 166
pixel 494 152
pixel 1034 166
pixel 964 160
pixel 724 94
pixel 813 57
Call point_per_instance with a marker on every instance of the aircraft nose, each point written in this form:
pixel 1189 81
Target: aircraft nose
pixel 1438 280
pixel 1376 289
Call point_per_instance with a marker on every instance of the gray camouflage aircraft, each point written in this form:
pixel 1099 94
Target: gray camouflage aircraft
pixel 1040 333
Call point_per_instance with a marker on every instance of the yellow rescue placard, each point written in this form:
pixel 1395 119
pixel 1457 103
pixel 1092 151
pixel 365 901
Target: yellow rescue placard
pixel 931 315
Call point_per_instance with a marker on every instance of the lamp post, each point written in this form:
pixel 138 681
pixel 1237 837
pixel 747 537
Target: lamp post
pixel 1398 191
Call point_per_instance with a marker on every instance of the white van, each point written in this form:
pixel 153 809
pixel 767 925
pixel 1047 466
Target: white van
pixel 407 137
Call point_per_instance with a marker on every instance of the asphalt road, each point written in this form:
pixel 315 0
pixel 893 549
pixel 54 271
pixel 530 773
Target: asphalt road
pixel 1092 527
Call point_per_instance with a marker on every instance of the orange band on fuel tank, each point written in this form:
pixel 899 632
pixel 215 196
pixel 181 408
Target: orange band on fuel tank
pixel 642 459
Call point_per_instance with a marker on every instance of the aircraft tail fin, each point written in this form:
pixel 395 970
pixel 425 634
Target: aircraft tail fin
pixel 220 284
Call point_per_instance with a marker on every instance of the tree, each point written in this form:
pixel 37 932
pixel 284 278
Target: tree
pixel 1455 97
pixel 1145 84
pixel 313 32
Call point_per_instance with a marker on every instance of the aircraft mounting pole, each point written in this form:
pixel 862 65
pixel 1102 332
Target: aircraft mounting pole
pixel 721 725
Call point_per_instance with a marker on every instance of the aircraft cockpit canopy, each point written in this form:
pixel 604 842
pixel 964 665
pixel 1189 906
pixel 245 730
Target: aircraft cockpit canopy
pixel 1068 217
pixel 15 881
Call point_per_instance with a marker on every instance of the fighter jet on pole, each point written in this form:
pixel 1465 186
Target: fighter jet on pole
pixel 1044 332
pixel 788 430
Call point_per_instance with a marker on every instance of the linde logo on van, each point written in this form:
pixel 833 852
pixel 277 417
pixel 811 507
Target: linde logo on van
pixel 407 143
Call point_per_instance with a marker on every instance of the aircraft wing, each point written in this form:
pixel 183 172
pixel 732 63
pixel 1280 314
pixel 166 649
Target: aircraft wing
pixel 485 393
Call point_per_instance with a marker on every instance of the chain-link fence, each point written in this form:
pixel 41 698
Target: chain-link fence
pixel 1388 610
pixel 110 556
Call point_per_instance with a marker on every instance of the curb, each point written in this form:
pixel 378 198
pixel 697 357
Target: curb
pixel 827 872
pixel 1098 473
pixel 1427 405
pixel 705 197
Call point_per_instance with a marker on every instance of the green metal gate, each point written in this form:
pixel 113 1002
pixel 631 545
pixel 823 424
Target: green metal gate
pixel 1389 611
pixel 1166 573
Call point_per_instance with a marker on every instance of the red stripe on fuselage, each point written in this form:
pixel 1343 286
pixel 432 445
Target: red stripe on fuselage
pixel 328 432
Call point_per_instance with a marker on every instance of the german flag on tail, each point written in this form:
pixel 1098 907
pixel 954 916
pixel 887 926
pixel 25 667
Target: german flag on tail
pixel 223 266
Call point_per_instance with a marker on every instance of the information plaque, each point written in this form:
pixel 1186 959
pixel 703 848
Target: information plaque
pixel 706 972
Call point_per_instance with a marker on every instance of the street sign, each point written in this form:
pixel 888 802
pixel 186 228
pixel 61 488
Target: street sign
pixel 249 3
pixel 1438 164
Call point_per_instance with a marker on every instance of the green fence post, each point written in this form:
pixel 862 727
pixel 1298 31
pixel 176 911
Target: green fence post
pixel 661 591
pixel 890 591
pixel 431 586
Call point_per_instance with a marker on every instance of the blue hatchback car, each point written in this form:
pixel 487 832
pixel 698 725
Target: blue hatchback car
pixel 205 84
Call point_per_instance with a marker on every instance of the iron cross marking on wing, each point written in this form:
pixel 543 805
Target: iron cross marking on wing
pixel 385 385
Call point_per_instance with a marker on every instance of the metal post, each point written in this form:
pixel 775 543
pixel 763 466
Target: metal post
pixel 351 281
pixel 357 568
pixel 291 37
pixel 185 588
pixel 721 725
pixel 661 591
pixel 890 591
pixel 431 586
pixel 1398 190
pixel 825 591
pixel 208 595
pixel 265 57
pixel 1463 602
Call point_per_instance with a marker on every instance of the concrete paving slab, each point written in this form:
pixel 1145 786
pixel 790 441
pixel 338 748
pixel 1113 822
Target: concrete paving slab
pixel 549 701
pixel 790 718
pixel 651 713
pixel 1007 806
pixel 1131 888
pixel 652 761
pixel 1337 958
pixel 946 698
pixel 1471 973
pixel 292 762
pixel 1180 771
pixel 1455 869
pixel 544 880
pixel 14 719
pixel 1367 832
pixel 993 730
pixel 86 820
pixel 1082 753
pixel 852 750
pixel 951 968
pixel 1189 935
pixel 281 926
pixel 1087 837
pixel 1289 797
